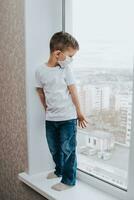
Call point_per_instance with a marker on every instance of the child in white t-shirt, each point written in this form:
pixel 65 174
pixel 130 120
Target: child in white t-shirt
pixel 56 86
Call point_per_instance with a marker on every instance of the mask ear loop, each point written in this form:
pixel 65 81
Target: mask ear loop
pixel 59 64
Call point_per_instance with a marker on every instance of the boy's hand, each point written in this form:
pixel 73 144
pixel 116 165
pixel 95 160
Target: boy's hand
pixel 82 121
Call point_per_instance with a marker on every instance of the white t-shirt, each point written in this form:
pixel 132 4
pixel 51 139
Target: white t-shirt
pixel 54 81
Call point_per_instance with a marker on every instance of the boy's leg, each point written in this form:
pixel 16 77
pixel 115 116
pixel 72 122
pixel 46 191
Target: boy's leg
pixel 68 130
pixel 52 135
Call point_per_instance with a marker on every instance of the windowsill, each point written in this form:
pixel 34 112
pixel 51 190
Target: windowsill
pixel 81 190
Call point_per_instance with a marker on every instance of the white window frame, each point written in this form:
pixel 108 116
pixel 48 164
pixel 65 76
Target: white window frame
pixel 90 179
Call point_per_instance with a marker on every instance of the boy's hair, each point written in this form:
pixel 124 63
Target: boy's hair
pixel 62 40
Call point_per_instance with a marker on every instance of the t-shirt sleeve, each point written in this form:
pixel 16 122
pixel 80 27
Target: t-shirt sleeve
pixel 38 82
pixel 69 76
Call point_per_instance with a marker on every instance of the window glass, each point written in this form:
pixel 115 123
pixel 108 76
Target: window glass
pixel 104 72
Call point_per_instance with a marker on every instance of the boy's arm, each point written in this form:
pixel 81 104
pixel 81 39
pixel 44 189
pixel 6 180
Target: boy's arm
pixel 74 95
pixel 42 96
pixel 70 81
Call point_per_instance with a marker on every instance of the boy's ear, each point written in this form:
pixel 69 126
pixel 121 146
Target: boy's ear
pixel 57 53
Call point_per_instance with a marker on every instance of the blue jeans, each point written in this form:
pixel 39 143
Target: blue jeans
pixel 61 138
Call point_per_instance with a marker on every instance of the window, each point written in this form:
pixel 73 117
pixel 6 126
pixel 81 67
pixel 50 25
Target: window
pixel 104 72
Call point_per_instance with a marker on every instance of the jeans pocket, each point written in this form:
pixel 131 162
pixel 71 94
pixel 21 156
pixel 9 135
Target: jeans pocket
pixel 72 121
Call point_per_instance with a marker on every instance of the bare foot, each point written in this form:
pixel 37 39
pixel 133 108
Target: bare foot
pixel 61 186
pixel 52 175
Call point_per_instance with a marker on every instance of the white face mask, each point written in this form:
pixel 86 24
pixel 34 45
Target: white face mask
pixel 67 61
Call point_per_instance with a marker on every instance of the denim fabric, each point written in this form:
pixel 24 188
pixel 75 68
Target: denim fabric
pixel 61 138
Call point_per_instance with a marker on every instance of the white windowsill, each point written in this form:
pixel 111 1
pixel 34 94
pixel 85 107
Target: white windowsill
pixel 80 191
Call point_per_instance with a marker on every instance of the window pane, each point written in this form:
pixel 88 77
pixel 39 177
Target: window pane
pixel 104 72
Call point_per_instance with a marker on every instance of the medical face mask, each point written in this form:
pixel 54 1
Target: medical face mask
pixel 67 61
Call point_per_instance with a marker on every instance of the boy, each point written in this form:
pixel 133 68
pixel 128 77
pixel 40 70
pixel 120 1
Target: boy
pixel 56 88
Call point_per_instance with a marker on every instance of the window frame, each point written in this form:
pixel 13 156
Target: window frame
pixel 88 178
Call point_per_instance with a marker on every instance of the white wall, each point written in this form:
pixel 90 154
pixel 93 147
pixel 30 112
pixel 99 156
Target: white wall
pixel 42 19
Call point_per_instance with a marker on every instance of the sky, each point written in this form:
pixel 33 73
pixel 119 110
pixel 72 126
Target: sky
pixel 104 29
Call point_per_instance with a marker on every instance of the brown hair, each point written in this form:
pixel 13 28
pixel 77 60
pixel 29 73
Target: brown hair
pixel 62 40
